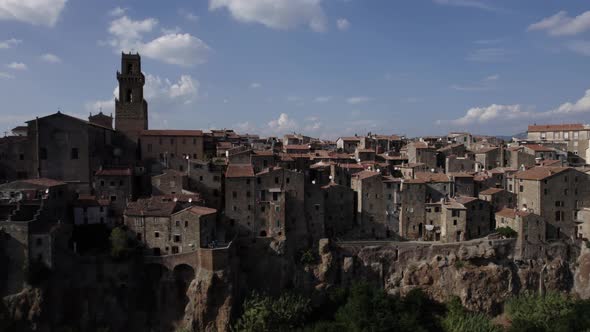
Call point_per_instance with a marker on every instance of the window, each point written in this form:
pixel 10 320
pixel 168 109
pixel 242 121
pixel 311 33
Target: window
pixel 129 96
pixel 234 194
pixel 43 154
pixel 176 238
pixel 172 141
pixel 247 193
pixel 102 183
pixel 149 147
pixel 113 198
pixel 521 188
pixel 276 180
pixel 275 196
pixel 39 242
pixel 177 223
pixel 74 153
pixel 156 234
pixel 21 156
pixel 454 222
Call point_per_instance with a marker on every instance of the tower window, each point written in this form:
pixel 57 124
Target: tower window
pixel 43 154
pixel 74 153
pixel 129 68
pixel 129 96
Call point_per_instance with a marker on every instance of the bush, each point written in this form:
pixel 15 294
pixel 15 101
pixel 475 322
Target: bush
pixel 264 313
pixel 307 257
pixel 459 264
pixel 119 243
pixel 507 232
pixel 535 312
pixel 458 319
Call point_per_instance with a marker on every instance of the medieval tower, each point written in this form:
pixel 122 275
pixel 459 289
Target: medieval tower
pixel 131 110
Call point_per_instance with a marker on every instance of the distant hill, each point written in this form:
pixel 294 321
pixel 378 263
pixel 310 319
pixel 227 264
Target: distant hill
pixel 522 135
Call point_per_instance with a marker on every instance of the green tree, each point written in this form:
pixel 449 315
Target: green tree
pixel 119 242
pixel 457 319
pixel 535 312
pixel 264 313
pixel 506 232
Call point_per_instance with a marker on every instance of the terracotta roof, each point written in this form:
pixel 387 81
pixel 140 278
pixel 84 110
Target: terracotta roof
pixel 465 199
pixel 322 164
pixel 43 182
pixel 297 147
pixel 511 213
pixel 239 171
pixel 89 201
pixel 353 138
pixel 486 150
pixel 449 147
pixel 414 181
pixel 114 172
pixel 539 148
pixel 412 165
pixel 555 162
pixel 366 150
pixel 201 210
pixel 461 175
pixel 263 152
pixel 351 166
pixel 388 137
pixel 419 145
pixel 556 127
pixel 152 207
pixel 365 174
pixel 224 145
pixel 432 177
pixel 491 191
pixel 540 173
pixel 153 132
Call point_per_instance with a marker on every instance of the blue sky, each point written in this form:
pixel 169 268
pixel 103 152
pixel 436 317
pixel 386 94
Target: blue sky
pixel 323 67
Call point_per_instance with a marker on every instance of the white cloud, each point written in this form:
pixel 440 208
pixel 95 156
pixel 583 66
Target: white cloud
pixel 17 66
pixel 467 3
pixel 255 85
pixel 580 46
pixel 561 24
pixel 493 54
pixel 177 49
pixel 9 43
pixel 492 113
pixel 5 75
pixel 157 90
pixel 322 99
pixel 36 12
pixel 188 15
pixel 282 124
pixel 245 127
pixel 172 47
pixel 357 100
pixel 276 14
pixel 494 77
pixel 50 58
pixel 117 11
pixel 342 24
pixel 582 105
pixel 506 114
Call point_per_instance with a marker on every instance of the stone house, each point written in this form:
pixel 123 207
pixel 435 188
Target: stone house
pixel 170 182
pixel 420 152
pixel 348 144
pixel 499 198
pixel 413 208
pixel 115 185
pixel 162 149
pixel 207 178
pixel 88 210
pixel 530 228
pixel 478 216
pixel 370 204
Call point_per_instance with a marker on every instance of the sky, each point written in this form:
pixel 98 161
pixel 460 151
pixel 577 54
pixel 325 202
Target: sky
pixel 326 68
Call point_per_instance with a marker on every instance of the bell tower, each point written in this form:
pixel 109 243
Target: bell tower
pixel 131 110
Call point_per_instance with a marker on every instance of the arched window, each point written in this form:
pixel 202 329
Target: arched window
pixel 129 96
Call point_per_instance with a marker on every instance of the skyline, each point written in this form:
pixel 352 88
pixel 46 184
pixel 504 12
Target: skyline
pixel 323 68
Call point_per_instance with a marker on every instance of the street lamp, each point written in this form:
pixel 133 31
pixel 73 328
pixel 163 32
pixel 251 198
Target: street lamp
pixel 188 165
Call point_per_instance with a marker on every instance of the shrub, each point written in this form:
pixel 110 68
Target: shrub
pixel 507 232
pixel 119 244
pixel 308 257
pixel 535 312
pixel 459 264
pixel 264 313
pixel 457 319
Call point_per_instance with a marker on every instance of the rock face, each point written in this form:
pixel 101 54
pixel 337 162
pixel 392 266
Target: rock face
pixel 483 274
pixel 211 302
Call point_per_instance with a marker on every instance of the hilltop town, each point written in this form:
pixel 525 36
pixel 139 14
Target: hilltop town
pixel 237 212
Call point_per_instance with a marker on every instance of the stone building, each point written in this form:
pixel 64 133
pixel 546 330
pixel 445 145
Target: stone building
pixel 454 164
pixel 516 157
pixel 413 208
pixel 488 158
pixel 370 204
pixel 575 136
pixel 392 197
pixel 167 226
pixel 267 204
pixel 453 222
pixel 115 185
pixel 499 198
pixel 530 230
pixel 88 210
pixel 554 193
pixel 161 149
pixel 131 109
pixel 438 185
pixel 15 158
pixel 463 183
pixel 206 178
pixel 478 216
pixel 170 182
pixel 420 152
pixel 540 152
pixel 348 144
pixel 339 214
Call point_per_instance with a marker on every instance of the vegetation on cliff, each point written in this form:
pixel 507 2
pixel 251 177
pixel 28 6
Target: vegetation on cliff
pixel 363 307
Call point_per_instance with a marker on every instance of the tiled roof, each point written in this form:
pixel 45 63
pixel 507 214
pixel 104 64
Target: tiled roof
pixel 556 127
pixel 491 191
pixel 465 199
pixel 297 147
pixel 263 152
pixel 153 132
pixel 511 213
pixel 201 210
pixel 366 150
pixel 43 182
pixel 353 138
pixel 365 174
pixel 432 177
pixel 152 207
pixel 239 171
pixel 540 173
pixel 539 148
pixel 114 172
pixel 461 175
